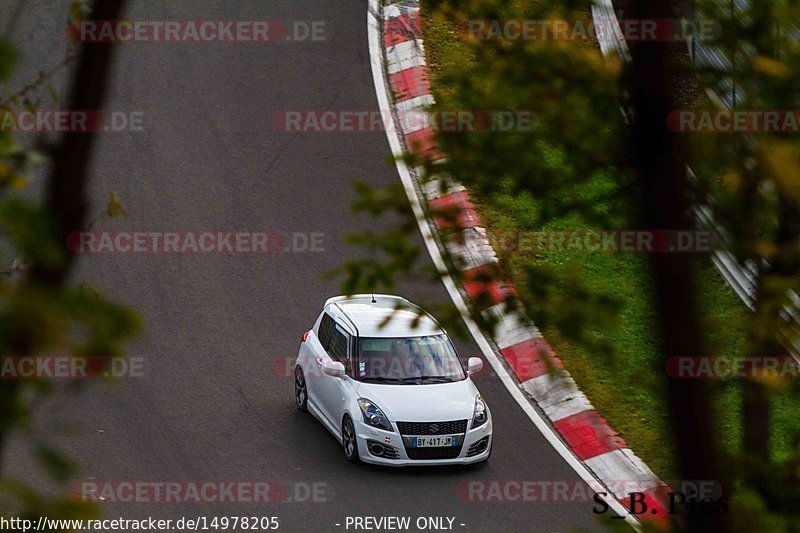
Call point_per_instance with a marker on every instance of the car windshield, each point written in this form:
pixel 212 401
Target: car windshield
pixel 411 360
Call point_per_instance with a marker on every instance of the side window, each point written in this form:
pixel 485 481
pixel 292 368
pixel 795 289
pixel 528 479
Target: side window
pixel 325 330
pixel 338 346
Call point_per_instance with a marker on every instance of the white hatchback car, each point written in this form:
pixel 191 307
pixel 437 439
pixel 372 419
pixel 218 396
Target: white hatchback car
pixel 384 378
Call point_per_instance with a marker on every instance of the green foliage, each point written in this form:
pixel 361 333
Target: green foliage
pixel 8 59
pixel 30 232
pixel 19 500
pixel 566 86
pixel 38 318
pixel 55 463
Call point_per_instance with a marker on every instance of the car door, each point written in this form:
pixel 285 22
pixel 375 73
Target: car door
pixel 317 354
pixel 333 391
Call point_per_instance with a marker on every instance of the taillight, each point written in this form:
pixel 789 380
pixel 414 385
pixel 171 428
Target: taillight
pixel 305 336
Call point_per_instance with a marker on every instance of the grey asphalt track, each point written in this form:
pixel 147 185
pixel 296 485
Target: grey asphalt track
pixel 211 405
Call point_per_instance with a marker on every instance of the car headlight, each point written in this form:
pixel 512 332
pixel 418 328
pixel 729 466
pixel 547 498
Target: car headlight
pixel 373 416
pixel 481 413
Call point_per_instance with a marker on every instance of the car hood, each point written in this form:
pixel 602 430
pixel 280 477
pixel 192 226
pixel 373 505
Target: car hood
pixel 422 403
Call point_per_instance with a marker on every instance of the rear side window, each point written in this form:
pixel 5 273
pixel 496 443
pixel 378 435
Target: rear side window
pixel 325 329
pixel 338 346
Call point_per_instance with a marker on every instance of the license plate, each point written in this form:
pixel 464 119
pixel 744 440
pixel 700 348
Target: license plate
pixel 434 441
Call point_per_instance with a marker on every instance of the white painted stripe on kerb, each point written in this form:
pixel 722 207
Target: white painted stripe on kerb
pixel 624 472
pixel 405 55
pixel 382 93
pixel 414 104
pixel 474 252
pixel 511 328
pixel 394 10
pixel 412 113
pixel 557 395
pixel 440 186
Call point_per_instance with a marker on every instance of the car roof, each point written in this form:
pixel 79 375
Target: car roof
pixel 368 317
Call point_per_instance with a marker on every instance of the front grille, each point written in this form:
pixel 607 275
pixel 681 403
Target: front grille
pixel 473 449
pixel 451 427
pixel 444 452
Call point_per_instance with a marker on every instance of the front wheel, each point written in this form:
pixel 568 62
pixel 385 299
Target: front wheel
pixel 349 442
pixel 300 389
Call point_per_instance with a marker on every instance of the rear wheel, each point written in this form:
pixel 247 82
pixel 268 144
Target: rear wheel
pixel 349 442
pixel 300 390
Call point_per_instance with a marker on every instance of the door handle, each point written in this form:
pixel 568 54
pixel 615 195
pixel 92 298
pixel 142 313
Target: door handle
pixel 320 361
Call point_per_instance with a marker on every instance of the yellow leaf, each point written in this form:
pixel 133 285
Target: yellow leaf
pixel 783 162
pixel 115 209
pixel 770 67
pixel 18 182
pixel 731 180
pixel 765 249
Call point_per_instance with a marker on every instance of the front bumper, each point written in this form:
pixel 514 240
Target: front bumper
pixel 366 435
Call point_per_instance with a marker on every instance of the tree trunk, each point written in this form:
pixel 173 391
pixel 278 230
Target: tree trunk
pixel 66 201
pixel 660 164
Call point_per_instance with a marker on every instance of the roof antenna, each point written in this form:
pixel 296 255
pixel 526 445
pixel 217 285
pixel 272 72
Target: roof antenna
pixel 373 299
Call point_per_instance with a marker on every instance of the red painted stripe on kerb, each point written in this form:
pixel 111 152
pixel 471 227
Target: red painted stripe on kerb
pixel 531 358
pixel 654 501
pixel 486 286
pixel 458 199
pixel 589 435
pixel 405 27
pixel 423 144
pixel 410 83
pixel 456 208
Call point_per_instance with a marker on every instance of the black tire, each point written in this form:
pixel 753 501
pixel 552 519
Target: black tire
pixel 300 389
pixel 349 441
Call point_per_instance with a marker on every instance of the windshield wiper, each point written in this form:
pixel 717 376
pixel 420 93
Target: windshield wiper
pixel 381 379
pixel 441 379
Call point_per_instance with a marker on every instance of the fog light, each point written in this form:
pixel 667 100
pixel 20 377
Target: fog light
pixel 376 449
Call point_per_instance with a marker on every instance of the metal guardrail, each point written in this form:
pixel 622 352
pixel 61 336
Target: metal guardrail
pixel 743 279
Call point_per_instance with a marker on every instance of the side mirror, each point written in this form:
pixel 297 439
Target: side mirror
pixel 334 369
pixel 474 365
